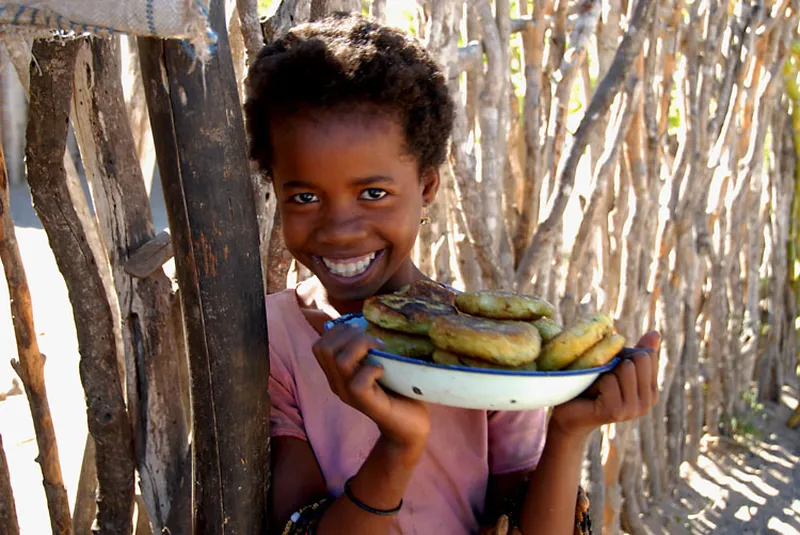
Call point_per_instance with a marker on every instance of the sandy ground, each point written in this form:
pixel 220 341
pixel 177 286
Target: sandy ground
pixel 736 488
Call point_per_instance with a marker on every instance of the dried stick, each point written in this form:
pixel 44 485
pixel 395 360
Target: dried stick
pixel 251 28
pixel 604 170
pixel 123 212
pixel 30 366
pixel 564 79
pixel 533 262
pixel 85 508
pixel 533 47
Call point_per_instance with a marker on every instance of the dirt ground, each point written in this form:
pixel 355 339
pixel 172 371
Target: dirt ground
pixel 747 487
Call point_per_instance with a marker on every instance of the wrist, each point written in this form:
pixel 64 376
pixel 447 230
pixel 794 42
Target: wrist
pixel 565 435
pixel 404 453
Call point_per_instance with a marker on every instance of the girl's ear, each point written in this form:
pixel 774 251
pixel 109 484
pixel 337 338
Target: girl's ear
pixel 430 184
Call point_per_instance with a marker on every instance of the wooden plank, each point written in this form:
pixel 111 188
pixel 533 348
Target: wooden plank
pixel 199 136
pixel 9 525
pixel 145 260
pixel 152 361
pixel 56 204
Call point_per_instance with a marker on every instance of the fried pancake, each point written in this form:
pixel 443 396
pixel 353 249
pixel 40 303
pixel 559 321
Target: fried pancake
pixel 404 314
pixel 406 345
pixel 565 348
pixel 599 354
pixel 448 358
pixel 507 343
pixel 503 305
pixel 429 291
pixel 548 329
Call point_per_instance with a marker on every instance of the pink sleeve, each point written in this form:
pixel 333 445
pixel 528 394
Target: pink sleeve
pixel 516 440
pixel 285 418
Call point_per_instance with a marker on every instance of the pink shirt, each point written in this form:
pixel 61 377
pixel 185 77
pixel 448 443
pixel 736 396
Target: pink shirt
pixel 448 489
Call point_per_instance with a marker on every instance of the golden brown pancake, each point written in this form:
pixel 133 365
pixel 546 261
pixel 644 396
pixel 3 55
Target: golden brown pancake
pixel 503 305
pixel 548 328
pixel 429 291
pixel 568 346
pixel 406 345
pixel 600 354
pixel 507 343
pixel 405 314
pixel 448 358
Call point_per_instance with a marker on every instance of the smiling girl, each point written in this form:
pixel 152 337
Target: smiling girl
pixel 351 122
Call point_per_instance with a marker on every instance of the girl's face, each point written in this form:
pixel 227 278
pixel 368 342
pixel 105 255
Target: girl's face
pixel 350 199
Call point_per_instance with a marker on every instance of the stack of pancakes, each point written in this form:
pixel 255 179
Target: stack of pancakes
pixel 489 329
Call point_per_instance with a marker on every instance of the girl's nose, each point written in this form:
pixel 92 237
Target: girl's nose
pixel 342 227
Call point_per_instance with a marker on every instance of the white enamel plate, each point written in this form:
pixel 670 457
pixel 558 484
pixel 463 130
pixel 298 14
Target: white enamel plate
pixel 476 388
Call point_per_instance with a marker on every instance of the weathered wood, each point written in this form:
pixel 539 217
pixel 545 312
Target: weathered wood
pixel 200 143
pixel 51 89
pixel 85 508
pixel 123 209
pixel 9 525
pixel 30 366
pixel 153 254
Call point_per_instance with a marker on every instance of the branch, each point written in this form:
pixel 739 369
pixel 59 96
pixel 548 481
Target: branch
pixel 471 54
pixel 603 97
pixel 288 14
pixel 251 28
pixel 604 171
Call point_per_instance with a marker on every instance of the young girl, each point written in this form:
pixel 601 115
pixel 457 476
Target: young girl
pixel 351 122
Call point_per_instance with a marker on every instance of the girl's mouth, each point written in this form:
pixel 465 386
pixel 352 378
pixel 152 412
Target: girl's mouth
pixel 350 268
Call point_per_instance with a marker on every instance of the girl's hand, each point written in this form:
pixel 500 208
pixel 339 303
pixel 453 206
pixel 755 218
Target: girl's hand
pixel 627 392
pixel 341 353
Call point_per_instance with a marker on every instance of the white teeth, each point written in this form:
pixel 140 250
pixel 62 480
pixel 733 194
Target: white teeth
pixel 350 269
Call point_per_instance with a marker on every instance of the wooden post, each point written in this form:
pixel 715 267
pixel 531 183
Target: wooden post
pixel 56 203
pixel 30 366
pixel 199 136
pixel 9 524
pixel 152 361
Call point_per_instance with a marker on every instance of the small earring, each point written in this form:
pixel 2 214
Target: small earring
pixel 425 219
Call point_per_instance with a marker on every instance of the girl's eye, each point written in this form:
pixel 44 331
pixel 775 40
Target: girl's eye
pixel 304 198
pixel 373 194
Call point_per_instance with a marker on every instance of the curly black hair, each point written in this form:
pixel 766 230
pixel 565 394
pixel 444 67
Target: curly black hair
pixel 347 62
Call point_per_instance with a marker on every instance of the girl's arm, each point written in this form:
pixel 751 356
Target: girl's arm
pixel 549 506
pixel 627 392
pixel 380 483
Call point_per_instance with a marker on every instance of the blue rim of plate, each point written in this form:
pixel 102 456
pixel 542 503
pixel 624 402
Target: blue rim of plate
pixel 348 318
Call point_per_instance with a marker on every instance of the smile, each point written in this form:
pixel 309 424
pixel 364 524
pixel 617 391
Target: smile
pixel 349 267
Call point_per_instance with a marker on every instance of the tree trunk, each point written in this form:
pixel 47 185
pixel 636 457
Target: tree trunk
pixel 53 197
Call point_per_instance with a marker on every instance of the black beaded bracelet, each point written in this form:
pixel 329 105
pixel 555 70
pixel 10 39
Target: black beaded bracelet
pixel 380 512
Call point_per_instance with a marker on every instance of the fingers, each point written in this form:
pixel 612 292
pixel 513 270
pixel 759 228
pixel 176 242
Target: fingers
pixel 608 404
pixel 629 391
pixel 643 365
pixel 340 352
pixel 364 383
